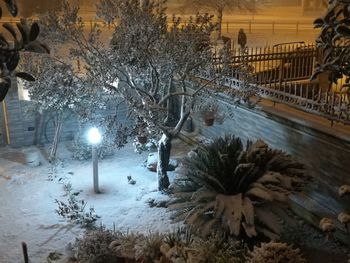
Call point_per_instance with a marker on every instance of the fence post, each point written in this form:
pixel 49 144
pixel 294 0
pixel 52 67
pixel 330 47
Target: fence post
pixel 281 72
pixel 227 25
pixel 297 27
pixel 332 110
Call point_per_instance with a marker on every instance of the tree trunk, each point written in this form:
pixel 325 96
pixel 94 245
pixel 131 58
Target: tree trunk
pixel 220 14
pixel 164 148
pixel 56 138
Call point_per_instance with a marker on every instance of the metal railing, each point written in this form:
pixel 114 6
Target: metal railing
pixel 308 97
pixel 277 64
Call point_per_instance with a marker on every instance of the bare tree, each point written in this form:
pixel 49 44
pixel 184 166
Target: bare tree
pixel 221 6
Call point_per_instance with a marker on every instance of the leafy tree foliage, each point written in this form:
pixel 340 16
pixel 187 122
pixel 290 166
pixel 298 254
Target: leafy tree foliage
pixel 10 48
pixel 147 63
pixel 57 90
pixel 334 42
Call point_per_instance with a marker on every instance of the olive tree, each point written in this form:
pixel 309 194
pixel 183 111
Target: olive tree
pixel 151 63
pixel 148 62
pixel 334 42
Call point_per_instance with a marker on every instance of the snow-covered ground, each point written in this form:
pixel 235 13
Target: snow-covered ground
pixel 27 199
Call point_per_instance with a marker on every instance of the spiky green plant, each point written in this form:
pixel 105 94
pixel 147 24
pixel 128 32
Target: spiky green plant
pixel 230 187
pixel 276 253
pixel 148 251
pixel 217 249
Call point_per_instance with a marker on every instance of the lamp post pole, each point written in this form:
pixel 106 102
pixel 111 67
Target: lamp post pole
pixel 95 168
pixel 94 137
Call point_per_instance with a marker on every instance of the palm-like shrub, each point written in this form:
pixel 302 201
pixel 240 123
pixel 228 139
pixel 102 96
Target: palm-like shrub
pixel 230 187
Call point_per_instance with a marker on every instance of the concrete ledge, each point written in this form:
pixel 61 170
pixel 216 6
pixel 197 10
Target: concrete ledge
pixel 306 121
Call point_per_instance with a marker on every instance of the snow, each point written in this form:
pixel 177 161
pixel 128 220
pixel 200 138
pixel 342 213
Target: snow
pixel 27 207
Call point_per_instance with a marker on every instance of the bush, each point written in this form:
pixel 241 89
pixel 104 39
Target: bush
pixel 276 253
pixel 176 247
pixel 230 188
pixel 94 247
pixel 217 249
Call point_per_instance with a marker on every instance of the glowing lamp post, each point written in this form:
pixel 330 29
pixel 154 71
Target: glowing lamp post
pixel 94 137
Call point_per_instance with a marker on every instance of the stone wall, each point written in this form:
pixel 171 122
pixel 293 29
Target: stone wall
pixel 33 128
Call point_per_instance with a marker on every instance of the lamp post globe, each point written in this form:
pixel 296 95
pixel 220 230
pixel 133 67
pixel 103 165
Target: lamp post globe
pixel 94 136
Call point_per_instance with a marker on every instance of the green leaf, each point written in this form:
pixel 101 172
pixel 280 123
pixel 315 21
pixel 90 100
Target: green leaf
pixel 3 41
pixel 345 21
pixel 13 61
pixel 45 47
pixel 24 33
pixel 25 76
pixel 12 7
pixel 343 31
pixel 34 31
pixel 330 16
pixel 319 22
pixel 36 47
pixel 346 12
pixel 5 85
pixel 11 29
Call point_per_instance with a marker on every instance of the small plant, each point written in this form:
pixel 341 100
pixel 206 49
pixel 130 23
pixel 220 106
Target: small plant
pixel 146 138
pixel 217 249
pixel 209 113
pixel 126 245
pixel 149 249
pixel 181 236
pixel 149 145
pixel 176 245
pixel 233 189
pixel 74 210
pixel 94 247
pixel 276 253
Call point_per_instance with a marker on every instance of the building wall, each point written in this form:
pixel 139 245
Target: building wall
pixel 29 128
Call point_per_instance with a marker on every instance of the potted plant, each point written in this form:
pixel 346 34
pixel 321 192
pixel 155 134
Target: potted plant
pixel 140 131
pixel 142 138
pixel 209 113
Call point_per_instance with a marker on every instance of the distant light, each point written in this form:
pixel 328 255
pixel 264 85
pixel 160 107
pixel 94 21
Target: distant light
pixel 94 136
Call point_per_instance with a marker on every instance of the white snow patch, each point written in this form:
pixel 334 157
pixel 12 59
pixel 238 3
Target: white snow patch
pixel 27 207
